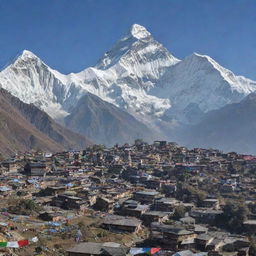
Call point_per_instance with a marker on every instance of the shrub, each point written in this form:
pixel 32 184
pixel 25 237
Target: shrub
pixel 179 212
pixel 234 214
pixel 25 207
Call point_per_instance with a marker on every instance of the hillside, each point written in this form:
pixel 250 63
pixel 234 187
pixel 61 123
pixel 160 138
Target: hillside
pixel 25 127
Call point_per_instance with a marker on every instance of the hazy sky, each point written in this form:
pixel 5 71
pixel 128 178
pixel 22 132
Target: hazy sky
pixel 70 35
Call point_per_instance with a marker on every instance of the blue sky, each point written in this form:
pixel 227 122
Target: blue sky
pixel 70 35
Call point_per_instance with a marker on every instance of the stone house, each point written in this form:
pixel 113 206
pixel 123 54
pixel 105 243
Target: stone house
pixel 91 249
pixel 154 216
pixel 118 223
pixel 146 197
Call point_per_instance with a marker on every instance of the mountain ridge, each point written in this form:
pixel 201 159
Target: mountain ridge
pixel 105 123
pixel 138 75
pixel 25 127
pixel 230 128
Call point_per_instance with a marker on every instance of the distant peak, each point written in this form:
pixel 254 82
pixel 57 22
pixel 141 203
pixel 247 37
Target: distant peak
pixel 197 56
pixel 25 56
pixel 207 60
pixel 28 54
pixel 139 31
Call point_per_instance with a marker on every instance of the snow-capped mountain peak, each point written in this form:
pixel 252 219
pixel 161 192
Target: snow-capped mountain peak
pixel 32 81
pixel 136 48
pixel 25 56
pixel 121 77
pixel 201 81
pixel 139 31
pixel 138 74
pixel 201 59
pixel 29 60
pixel 237 83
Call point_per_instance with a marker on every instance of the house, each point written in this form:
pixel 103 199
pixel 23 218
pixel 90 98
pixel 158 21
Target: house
pixel 133 208
pixel 160 143
pixel 202 241
pixel 90 249
pixel 103 204
pixel 211 203
pixel 200 229
pixel 146 197
pixel 175 236
pixel 187 244
pixel 205 215
pixel 51 216
pixel 36 169
pixel 227 188
pixel 67 202
pixel 121 224
pixel 154 216
pixel 235 243
pixel 165 204
pixel 11 165
pixel 250 226
pixel 51 191
pixel 153 183
pixel 243 251
pixel 171 236
pixel 188 253
pixel 215 244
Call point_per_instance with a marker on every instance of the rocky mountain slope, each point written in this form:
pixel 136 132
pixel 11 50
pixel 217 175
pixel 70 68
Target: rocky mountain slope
pixel 231 128
pixel 105 123
pixel 24 127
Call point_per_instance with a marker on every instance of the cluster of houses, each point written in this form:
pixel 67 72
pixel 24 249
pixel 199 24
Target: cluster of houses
pixel 139 189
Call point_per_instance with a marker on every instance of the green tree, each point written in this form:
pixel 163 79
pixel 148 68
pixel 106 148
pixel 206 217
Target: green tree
pixel 189 193
pixel 99 147
pixel 25 207
pixel 234 214
pixel 179 212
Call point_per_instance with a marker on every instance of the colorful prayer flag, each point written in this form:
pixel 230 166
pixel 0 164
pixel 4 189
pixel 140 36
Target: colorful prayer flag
pixel 149 251
pixel 3 244
pixel 22 243
pixel 154 250
pixel 12 244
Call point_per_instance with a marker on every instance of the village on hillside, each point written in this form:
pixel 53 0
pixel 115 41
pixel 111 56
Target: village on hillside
pixel 140 199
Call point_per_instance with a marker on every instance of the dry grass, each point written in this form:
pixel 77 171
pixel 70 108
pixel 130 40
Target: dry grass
pixel 58 243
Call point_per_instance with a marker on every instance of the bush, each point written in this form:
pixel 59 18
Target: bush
pixel 234 214
pixel 188 193
pixel 25 207
pixel 179 212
